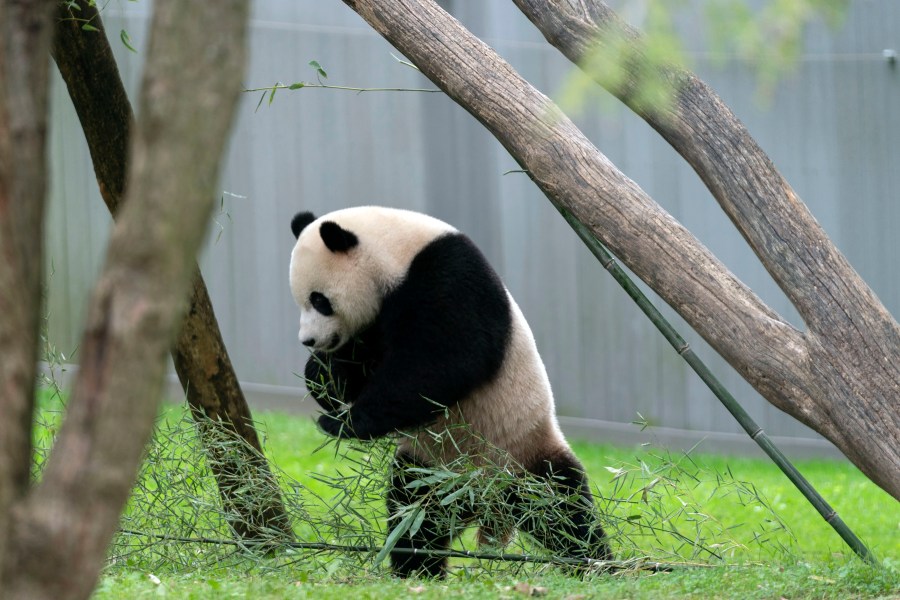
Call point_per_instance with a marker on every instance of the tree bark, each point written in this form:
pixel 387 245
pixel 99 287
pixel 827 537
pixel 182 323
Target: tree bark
pixel 190 86
pixel 839 377
pixel 24 38
pixel 847 324
pixel 86 63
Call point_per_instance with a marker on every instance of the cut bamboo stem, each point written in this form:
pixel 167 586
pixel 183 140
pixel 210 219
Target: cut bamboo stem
pixel 755 432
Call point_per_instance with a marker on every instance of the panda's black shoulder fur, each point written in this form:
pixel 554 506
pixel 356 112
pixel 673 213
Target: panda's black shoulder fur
pixel 451 305
pixel 442 332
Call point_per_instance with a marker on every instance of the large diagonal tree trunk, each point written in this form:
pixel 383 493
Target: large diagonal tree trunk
pixel 86 63
pixel 851 339
pixel 840 377
pixel 58 533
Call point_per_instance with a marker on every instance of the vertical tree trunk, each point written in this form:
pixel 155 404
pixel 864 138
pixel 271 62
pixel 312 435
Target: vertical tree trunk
pixel 60 531
pixel 24 38
pixel 86 63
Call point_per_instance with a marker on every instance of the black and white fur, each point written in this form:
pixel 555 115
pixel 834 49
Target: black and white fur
pixel 412 329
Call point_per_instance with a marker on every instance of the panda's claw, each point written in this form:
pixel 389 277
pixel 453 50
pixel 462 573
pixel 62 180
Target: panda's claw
pixel 334 425
pixel 343 425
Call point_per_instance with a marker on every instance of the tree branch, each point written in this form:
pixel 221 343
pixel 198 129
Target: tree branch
pixel 576 176
pixel 89 70
pixel 840 378
pixel 853 340
pixel 61 533
pixel 699 126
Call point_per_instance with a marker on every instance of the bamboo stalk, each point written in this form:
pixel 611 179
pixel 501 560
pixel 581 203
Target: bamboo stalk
pixel 755 432
pixel 637 564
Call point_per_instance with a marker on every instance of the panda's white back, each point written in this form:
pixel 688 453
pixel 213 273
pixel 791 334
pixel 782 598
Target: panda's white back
pixel 514 412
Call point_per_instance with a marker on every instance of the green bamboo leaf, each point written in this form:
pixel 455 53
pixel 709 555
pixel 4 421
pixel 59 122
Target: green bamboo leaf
pixel 315 65
pixel 451 497
pixel 126 40
pixel 420 517
pixel 89 27
pixel 431 479
pixel 616 471
pixel 391 541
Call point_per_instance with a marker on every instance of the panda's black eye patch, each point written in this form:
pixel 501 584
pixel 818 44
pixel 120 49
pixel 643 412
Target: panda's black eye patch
pixel 321 304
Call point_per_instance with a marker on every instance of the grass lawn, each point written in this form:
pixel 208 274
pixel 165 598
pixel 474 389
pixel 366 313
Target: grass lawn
pixel 753 564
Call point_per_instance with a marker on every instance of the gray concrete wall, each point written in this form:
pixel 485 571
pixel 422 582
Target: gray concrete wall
pixel 832 127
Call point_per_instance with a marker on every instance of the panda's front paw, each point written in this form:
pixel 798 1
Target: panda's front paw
pixel 320 381
pixel 342 425
pixel 335 424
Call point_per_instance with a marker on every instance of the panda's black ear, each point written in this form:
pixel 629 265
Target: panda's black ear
pixel 337 239
pixel 300 221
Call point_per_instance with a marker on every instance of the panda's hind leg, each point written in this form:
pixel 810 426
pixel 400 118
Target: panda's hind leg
pixel 433 533
pixel 570 528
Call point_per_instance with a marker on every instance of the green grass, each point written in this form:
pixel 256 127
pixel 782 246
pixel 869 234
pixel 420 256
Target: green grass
pixel 795 582
pixel 869 511
pixel 817 564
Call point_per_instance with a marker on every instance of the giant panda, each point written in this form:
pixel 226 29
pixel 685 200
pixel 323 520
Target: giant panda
pixel 410 327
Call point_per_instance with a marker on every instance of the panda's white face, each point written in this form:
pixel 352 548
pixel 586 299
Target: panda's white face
pixel 319 326
pixel 345 262
pixel 333 286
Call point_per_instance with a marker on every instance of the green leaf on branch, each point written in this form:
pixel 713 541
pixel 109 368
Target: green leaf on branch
pixel 319 70
pixel 126 40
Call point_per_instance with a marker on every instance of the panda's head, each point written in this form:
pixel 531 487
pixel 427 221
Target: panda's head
pixel 333 282
pixel 346 262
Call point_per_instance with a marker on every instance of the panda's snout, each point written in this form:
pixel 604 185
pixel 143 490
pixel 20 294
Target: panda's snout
pixel 323 343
